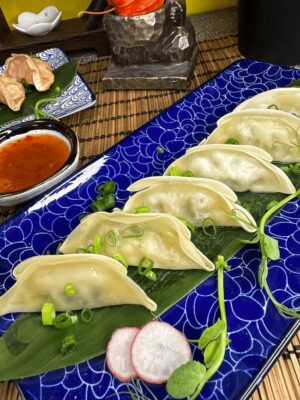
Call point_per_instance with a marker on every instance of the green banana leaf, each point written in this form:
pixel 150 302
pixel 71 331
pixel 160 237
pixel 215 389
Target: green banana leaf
pixel 28 348
pixel 64 76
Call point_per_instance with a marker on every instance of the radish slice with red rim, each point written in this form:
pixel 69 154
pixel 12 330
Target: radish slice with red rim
pixel 157 350
pixel 118 353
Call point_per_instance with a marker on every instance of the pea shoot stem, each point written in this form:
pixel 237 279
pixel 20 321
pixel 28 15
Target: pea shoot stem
pixel 223 337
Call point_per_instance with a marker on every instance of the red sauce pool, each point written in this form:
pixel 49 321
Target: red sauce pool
pixel 31 159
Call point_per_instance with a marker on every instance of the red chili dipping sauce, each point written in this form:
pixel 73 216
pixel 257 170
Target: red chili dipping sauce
pixel 31 159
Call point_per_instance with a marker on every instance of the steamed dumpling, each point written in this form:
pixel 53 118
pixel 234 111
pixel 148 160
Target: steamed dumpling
pixel 160 237
pixel 284 99
pixel 242 168
pixel 99 281
pixel 194 199
pixel 276 132
pixel 30 69
pixel 12 93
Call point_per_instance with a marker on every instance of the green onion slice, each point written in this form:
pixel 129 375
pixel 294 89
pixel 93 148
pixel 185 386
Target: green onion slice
pixel 48 313
pixel 187 223
pixel 132 231
pixel 69 344
pixel 232 141
pixel 107 188
pixel 271 205
pixel 119 257
pixel 145 268
pixel 104 203
pixel 89 249
pixel 208 222
pixel 160 150
pixel 142 210
pixel 273 107
pixel 64 320
pixel 175 171
pixel 86 315
pixel 111 239
pixel 69 290
pixel 188 174
pixel 97 244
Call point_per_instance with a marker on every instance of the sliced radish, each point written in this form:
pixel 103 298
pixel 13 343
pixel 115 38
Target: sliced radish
pixel 157 350
pixel 118 353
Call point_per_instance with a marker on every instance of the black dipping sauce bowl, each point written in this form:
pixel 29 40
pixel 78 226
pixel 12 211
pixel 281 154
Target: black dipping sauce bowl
pixel 43 127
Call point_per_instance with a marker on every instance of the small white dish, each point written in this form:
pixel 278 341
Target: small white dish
pixel 38 24
pixel 41 127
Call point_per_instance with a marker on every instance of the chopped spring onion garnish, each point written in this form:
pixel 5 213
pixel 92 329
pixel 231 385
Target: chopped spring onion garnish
pixel 132 231
pixel 69 344
pixel 187 223
pixel 273 107
pixel 232 141
pixel 142 210
pixel 48 313
pixel 188 174
pixel 159 150
pixel 110 239
pixel 89 249
pixel 107 188
pixel 58 248
pixel 37 111
pixel 97 245
pixel 69 290
pixel 145 268
pixel 86 315
pixel 64 320
pixel 175 171
pixel 271 204
pixel 209 223
pixel 104 203
pixel 119 257
pixel 57 89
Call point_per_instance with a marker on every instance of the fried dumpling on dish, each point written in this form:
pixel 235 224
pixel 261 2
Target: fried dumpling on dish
pixel 99 281
pixel 30 69
pixel 162 238
pixel 12 93
pixel 277 132
pixel 283 99
pixel 242 168
pixel 195 199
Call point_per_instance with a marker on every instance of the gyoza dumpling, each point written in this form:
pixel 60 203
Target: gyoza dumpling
pixel 284 99
pixel 12 93
pixel 99 281
pixel 160 237
pixel 277 132
pixel 242 168
pixel 30 69
pixel 194 199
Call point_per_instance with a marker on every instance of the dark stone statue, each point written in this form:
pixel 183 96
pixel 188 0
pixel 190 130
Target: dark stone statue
pixel 156 50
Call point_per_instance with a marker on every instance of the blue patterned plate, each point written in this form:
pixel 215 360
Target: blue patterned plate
pixel 78 96
pixel 257 332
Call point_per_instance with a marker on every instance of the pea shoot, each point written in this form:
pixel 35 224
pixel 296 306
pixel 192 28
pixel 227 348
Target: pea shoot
pixel 189 379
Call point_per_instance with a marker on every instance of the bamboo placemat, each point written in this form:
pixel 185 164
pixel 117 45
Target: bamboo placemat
pixel 115 115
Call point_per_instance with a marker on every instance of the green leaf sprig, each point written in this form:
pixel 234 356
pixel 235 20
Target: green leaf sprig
pixel 270 251
pixel 291 168
pixel 189 379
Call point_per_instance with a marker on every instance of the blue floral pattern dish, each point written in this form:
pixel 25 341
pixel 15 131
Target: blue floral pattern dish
pixel 256 329
pixel 78 96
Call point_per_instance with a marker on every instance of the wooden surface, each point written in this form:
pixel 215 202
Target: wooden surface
pixel 114 116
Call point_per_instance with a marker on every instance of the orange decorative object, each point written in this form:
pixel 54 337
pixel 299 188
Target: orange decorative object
pixel 130 8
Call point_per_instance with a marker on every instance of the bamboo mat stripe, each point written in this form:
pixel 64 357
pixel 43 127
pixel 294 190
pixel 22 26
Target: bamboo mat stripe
pixel 118 113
